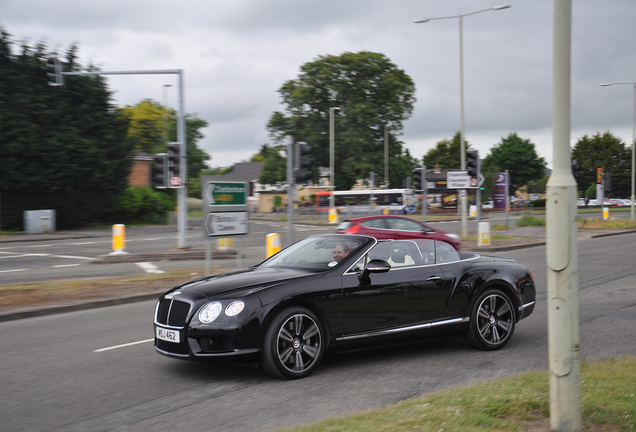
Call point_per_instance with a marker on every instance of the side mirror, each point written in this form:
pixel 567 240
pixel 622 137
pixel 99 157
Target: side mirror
pixel 374 266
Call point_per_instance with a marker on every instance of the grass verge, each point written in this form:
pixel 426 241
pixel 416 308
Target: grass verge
pixel 610 223
pixel 45 294
pixel 520 403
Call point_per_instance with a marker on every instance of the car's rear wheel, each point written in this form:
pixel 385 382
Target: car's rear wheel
pixel 492 321
pixel 293 345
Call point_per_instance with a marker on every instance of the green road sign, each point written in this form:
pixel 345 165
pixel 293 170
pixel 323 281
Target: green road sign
pixel 218 194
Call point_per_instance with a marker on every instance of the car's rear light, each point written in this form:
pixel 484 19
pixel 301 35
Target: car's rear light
pixel 353 229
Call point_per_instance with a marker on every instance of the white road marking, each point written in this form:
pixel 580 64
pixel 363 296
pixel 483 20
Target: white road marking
pixel 66 265
pixel 71 257
pixel 40 246
pixel 12 270
pixel 149 268
pixel 23 255
pixel 123 345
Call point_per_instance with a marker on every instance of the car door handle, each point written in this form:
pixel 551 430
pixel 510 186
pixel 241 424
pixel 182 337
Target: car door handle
pixel 433 278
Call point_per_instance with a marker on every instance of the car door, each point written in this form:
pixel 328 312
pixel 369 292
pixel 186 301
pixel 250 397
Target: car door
pixel 405 296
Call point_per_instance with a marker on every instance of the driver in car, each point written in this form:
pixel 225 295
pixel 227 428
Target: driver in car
pixel 340 251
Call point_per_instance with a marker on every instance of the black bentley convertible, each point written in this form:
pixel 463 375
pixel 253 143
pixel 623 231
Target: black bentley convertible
pixel 337 291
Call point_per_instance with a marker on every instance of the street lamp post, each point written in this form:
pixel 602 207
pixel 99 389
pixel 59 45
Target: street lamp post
pixel 461 94
pixel 633 197
pixel 332 147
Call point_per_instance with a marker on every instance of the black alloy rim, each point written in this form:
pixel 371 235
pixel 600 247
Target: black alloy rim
pixel 494 319
pixel 298 343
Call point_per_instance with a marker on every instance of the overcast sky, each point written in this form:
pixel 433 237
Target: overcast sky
pixel 236 55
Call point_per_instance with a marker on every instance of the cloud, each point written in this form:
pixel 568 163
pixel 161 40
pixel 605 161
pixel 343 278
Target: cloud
pixel 236 55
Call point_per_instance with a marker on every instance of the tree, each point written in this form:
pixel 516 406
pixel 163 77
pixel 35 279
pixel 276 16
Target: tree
pixel 372 94
pixel 519 157
pixel 603 151
pixel 62 148
pixel 152 126
pixel 146 125
pixel 446 154
pixel 275 168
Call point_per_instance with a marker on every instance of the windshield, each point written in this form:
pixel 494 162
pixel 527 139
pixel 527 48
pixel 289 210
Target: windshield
pixel 316 253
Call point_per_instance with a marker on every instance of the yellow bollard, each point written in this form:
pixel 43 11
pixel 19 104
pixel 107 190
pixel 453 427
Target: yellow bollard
pixel 273 244
pixel 119 239
pixel 605 212
pixel 224 243
pixel 333 215
pixel 483 237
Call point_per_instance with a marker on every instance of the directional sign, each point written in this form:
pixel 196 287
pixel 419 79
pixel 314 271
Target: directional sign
pixel 224 224
pixel 457 180
pixel 220 195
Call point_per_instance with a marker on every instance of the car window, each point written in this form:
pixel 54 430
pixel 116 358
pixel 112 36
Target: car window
pixel 375 223
pixel 444 252
pixel 314 253
pixel 403 224
pixel 398 253
pixel 426 250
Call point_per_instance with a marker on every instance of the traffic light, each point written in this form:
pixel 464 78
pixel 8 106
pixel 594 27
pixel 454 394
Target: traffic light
pixel 54 72
pixel 160 170
pixel 302 174
pixel 174 160
pixel 472 163
pixel 417 175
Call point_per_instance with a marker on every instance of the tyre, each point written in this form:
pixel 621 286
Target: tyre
pixel 492 321
pixel 293 344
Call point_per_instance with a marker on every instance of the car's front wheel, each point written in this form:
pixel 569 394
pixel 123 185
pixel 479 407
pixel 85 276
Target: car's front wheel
pixel 492 321
pixel 293 344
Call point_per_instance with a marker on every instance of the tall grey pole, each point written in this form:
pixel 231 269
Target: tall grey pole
pixel 462 200
pixel 507 200
pixel 462 128
pixel 291 186
pixel 562 247
pixel 424 194
pixel 332 150
pixel 386 157
pixel 633 195
pixel 182 194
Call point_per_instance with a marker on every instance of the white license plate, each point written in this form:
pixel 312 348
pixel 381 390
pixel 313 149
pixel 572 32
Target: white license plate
pixel 168 335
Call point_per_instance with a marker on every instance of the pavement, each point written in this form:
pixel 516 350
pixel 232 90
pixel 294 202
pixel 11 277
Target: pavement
pixel 507 239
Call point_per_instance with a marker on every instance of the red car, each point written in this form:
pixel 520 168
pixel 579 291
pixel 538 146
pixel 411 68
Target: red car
pixel 396 228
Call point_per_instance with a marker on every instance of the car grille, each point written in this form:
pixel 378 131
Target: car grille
pixel 172 313
pixel 216 345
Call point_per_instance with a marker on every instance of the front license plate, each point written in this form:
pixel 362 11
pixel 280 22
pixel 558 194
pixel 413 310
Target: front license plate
pixel 168 335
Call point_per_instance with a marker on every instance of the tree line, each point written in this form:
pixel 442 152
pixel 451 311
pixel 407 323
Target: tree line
pixel 373 98
pixel 69 147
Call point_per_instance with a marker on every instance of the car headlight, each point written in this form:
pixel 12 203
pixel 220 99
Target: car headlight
pixel 454 236
pixel 234 308
pixel 210 312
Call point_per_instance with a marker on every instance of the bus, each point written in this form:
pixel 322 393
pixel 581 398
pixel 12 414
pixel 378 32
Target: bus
pixel 362 202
